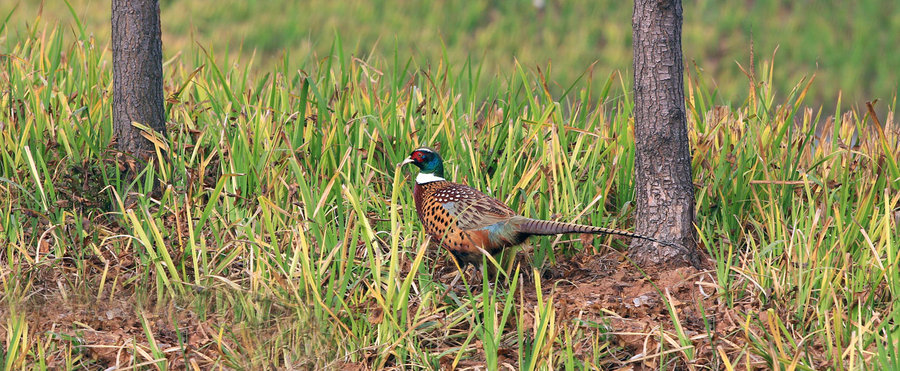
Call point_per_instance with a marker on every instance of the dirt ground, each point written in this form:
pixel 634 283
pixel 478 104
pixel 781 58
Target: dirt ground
pixel 606 293
pixel 103 332
pixel 603 293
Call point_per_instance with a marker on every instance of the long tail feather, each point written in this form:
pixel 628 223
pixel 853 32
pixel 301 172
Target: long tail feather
pixel 546 227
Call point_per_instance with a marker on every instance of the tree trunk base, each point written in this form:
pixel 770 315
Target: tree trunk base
pixel 647 254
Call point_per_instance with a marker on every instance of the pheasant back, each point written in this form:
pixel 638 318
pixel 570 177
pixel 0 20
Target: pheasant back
pixel 465 221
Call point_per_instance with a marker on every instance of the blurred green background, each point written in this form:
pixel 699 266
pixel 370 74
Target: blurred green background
pixel 851 46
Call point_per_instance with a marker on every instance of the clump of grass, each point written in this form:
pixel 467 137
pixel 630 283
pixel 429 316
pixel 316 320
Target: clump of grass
pixel 284 236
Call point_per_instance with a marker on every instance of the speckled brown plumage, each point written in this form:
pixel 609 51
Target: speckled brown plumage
pixel 458 217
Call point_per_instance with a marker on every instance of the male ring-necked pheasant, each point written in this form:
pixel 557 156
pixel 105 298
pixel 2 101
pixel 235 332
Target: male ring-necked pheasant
pixel 464 219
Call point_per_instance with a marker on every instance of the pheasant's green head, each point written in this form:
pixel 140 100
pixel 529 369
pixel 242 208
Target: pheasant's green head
pixel 429 163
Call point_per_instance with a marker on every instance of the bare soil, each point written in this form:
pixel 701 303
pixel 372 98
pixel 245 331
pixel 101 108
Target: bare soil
pixel 634 311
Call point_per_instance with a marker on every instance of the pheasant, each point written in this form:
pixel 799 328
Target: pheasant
pixel 467 222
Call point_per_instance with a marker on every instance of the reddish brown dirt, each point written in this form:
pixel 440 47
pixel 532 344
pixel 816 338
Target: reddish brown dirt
pixel 602 294
pixel 635 305
pixel 607 294
pixel 107 332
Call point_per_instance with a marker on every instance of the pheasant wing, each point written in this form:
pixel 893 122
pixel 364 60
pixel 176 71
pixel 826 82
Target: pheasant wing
pixel 471 208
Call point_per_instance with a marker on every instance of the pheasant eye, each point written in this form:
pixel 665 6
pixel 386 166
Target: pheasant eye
pixel 418 156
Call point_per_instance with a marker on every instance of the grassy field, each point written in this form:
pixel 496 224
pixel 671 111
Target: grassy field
pixel 283 235
pixel 849 46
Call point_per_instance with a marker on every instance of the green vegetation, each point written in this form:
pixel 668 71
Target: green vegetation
pixel 282 234
pixel 849 46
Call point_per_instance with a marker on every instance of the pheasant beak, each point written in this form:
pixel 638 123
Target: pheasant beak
pixel 408 160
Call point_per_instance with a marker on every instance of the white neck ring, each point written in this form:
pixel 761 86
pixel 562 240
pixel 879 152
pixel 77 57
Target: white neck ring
pixel 423 178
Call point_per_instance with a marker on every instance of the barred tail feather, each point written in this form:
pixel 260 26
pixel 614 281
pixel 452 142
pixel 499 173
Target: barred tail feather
pixel 547 227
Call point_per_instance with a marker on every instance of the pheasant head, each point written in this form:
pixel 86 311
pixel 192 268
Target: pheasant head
pixel 431 167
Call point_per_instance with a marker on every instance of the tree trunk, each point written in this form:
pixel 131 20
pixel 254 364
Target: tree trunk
pixel 662 168
pixel 137 76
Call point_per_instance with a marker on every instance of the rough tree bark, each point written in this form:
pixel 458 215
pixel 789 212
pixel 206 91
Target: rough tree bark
pixel 662 170
pixel 137 76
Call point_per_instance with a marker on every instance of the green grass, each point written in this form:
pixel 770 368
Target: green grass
pixel 849 46
pixel 284 235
